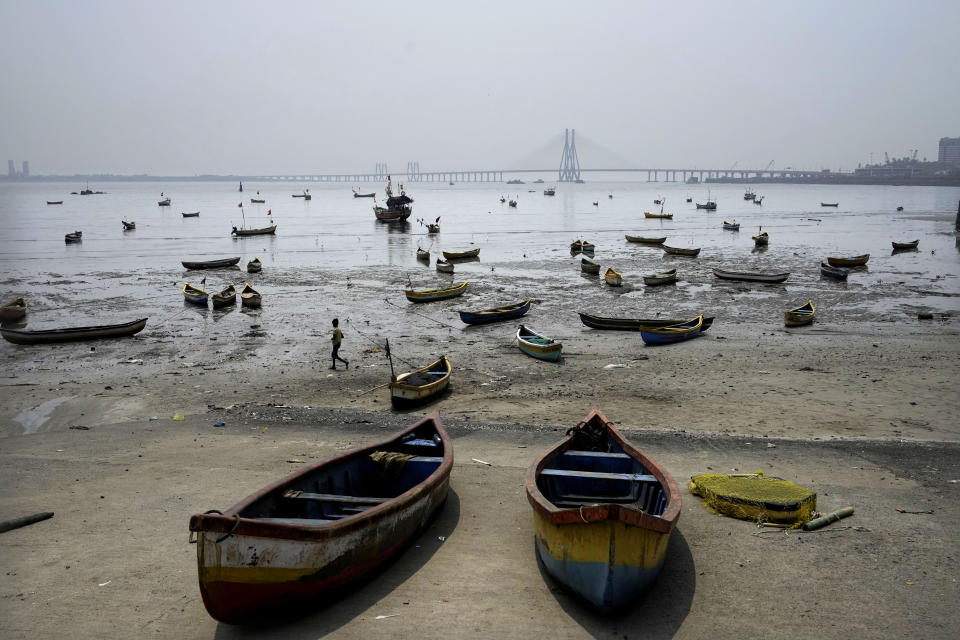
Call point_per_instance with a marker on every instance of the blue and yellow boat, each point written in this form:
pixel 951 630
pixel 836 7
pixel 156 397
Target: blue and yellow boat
pixel 538 345
pixel 603 513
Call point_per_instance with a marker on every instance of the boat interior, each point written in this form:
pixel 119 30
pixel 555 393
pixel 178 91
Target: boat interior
pixel 351 486
pixel 578 478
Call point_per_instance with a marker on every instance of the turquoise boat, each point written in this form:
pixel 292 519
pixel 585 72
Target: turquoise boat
pixel 603 513
pixel 537 345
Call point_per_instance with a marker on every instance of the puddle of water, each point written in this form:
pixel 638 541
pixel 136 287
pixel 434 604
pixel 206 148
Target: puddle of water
pixel 33 419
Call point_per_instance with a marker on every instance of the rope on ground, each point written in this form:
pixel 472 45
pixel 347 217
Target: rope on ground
pixel 420 314
pixel 373 341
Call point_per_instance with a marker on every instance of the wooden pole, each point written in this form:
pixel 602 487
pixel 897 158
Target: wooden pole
pixel 16 523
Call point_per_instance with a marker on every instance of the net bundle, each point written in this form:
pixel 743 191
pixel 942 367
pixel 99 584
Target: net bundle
pixel 754 496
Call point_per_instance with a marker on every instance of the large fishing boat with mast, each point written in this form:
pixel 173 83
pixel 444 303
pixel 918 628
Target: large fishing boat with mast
pixel 398 208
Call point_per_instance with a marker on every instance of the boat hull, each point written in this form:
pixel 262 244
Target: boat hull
pixel 660 278
pixel 674 251
pixel 404 395
pixel 673 333
pixel 487 316
pixel 633 324
pixel 800 316
pixel 750 276
pixel 210 264
pixel 459 255
pixel 642 240
pixel 76 333
pixel 833 272
pixel 549 351
pixel 855 261
pixel 13 310
pixel 433 295
pixel 265 231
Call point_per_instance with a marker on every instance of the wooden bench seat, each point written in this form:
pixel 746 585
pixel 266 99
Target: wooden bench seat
pixel 329 497
pixel 573 453
pixel 307 521
pixel 599 475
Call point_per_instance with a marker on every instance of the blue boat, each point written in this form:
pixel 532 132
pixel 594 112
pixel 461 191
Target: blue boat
pixel 603 513
pixel 589 266
pixel 673 333
pixel 194 295
pixel 508 312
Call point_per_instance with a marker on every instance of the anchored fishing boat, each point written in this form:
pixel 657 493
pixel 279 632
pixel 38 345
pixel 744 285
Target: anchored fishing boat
pixel 905 246
pixel 761 239
pixel 128 226
pixel 496 314
pixel 538 345
pixel 298 542
pixel 800 316
pixel 731 226
pixel 263 231
pixel 603 512
pixel 444 267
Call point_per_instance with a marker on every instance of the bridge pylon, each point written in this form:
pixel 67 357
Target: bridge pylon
pixel 569 163
pixel 413 172
pixel 380 172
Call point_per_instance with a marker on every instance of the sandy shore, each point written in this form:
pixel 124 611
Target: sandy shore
pixel 861 407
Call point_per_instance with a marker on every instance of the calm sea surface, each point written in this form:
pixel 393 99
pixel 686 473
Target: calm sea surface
pixel 337 234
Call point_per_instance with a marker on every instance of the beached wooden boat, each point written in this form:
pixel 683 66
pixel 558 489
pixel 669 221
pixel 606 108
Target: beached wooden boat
pixel 854 261
pixel 800 316
pixel 829 204
pixel 250 297
pixel 761 238
pixel 603 513
pixel 254 266
pixel 392 215
pixel 612 277
pixel 257 201
pixel 676 251
pixel 71 238
pixel 14 310
pixel 833 272
pixel 460 255
pixel 538 345
pixel 750 276
pixel 643 240
pixel 164 203
pixel 194 295
pixel 227 297
pixel 496 314
pixel 210 264
pixel 432 295
pixel 444 267
pixel 423 255
pixel 263 231
pixel 190 214
pixel 296 544
pixel 634 324
pixel 582 246
pixel 661 277
pixel 589 266
pixel 731 226
pixel 420 386
pixel 54 201
pixel 662 216
pixel 128 226
pixel 74 333
pixel 900 246
pixel 673 333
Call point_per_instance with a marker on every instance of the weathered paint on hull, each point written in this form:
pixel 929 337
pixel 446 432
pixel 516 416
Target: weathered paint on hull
pixel 541 353
pixel 608 563
pixel 245 576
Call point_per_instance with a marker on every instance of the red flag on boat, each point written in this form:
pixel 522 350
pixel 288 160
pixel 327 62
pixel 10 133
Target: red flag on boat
pixel 269 212
pixel 240 205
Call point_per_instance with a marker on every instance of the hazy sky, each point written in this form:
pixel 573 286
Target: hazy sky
pixel 312 87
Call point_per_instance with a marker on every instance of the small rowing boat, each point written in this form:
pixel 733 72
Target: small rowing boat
pixel 254 266
pixel 164 203
pixel 71 238
pixel 210 264
pixel 190 214
pixel 800 316
pixel 673 333
pixel 227 297
pixel 537 345
pixel 54 201
pixel 420 386
pixel 634 324
pixel 761 238
pixel 194 295
pixel 589 266
pixel 643 240
pixel 263 231
pixel 364 195
pixel 676 251
pixel 257 201
pixel 297 543
pixel 14 310
pixel 661 216
pixel 603 512
pixel 833 272
pixel 582 246
pixel 496 314
pixel 750 276
pixel 661 277
pixel 460 255
pixel 423 255
pixel 829 204
pixel 250 297
pixel 612 277
pixel 902 246
pixel 432 295
pixel 854 261
pixel 731 226
pixel 392 215
pixel 17 336
pixel 128 226
pixel 444 267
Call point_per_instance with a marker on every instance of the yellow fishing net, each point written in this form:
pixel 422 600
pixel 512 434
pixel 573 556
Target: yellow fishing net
pixel 754 496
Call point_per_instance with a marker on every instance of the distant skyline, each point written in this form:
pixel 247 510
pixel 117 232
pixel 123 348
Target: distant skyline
pixel 177 88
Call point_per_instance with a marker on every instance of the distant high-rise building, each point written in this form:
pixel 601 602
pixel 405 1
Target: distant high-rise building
pixel 26 168
pixel 949 150
pixel 11 169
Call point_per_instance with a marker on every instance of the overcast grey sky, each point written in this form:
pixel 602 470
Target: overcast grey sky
pixel 308 87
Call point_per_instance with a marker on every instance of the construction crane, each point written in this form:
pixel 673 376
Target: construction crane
pixel 769 164
pixel 886 157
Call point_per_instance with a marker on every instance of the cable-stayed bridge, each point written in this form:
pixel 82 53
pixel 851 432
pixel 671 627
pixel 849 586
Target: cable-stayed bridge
pixel 569 170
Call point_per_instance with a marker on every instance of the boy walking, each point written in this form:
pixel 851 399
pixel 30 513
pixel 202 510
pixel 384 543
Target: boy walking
pixel 336 340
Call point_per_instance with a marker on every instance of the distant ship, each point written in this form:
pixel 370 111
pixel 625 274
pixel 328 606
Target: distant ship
pixel 515 181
